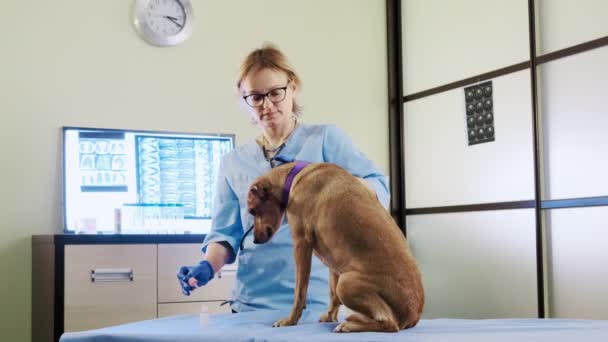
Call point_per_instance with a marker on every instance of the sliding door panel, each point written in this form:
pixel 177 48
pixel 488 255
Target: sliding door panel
pixel 563 23
pixel 477 264
pixel 578 262
pixel 446 41
pixel 441 169
pixel 575 125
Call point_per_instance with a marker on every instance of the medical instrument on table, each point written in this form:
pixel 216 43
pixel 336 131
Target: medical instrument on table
pixel 204 315
pixel 203 272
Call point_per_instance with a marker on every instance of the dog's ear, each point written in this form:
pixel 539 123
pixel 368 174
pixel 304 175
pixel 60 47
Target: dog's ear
pixel 258 190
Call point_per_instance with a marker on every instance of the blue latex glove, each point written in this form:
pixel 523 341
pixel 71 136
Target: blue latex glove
pixel 203 272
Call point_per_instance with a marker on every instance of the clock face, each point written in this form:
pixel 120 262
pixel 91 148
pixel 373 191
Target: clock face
pixel 163 22
pixel 165 17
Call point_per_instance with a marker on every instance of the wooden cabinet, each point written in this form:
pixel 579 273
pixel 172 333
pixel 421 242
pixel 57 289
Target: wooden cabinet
pixel 88 282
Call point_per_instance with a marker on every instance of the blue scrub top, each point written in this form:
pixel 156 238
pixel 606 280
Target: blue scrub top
pixel 265 277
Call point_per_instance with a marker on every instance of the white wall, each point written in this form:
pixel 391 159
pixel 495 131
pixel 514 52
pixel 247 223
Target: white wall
pixel 80 63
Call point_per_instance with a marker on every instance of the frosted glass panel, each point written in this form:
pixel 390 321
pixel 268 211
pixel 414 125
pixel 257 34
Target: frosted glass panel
pixel 446 41
pixel 441 169
pixel 476 265
pixel 575 122
pixel 578 262
pixel 563 23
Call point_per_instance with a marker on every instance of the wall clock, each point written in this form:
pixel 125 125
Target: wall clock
pixel 163 22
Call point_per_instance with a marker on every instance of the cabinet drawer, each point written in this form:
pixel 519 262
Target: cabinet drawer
pixel 191 308
pixel 171 257
pixel 109 284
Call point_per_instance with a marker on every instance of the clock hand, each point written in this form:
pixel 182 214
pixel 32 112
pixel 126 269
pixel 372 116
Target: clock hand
pixel 174 20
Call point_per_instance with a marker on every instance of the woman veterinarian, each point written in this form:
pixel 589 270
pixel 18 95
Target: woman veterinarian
pixel 265 277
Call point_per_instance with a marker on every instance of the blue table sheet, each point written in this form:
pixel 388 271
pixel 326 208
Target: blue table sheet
pixel 257 326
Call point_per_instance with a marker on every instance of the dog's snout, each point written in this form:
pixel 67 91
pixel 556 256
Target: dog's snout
pixel 263 235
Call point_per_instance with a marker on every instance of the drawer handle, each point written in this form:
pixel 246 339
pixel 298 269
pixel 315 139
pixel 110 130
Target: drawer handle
pixel 111 274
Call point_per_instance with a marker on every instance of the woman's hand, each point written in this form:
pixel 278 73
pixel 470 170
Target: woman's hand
pixel 191 277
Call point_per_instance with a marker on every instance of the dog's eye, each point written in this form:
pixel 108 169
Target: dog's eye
pixel 252 212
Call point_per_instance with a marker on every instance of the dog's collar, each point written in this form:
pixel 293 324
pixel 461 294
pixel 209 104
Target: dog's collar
pixel 289 180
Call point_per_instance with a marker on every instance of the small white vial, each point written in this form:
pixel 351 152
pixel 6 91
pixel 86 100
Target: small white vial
pixel 204 316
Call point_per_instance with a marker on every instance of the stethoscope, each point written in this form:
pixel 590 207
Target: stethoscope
pixel 243 238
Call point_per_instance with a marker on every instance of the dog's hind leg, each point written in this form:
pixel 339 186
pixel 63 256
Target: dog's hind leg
pixel 372 313
pixel 334 301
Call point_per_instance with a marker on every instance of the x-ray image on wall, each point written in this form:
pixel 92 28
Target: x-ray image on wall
pixel 181 171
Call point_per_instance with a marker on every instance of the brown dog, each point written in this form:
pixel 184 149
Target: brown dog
pixel 372 271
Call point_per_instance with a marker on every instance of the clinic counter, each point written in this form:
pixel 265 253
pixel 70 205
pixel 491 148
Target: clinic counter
pixel 62 267
pixel 84 239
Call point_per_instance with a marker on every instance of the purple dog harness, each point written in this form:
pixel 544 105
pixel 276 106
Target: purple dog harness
pixel 286 187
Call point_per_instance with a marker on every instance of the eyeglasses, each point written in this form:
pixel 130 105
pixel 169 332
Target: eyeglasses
pixel 275 96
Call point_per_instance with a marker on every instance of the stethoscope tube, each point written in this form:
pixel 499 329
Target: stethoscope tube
pixel 243 238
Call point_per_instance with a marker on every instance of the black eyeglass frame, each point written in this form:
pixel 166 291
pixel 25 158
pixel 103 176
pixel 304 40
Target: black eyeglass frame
pixel 266 96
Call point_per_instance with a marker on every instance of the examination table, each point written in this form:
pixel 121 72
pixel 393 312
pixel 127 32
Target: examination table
pixel 257 326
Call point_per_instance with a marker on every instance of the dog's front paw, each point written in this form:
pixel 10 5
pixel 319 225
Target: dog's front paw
pixel 284 323
pixel 328 317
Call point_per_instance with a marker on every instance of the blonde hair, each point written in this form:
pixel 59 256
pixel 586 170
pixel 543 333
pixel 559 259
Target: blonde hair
pixel 269 57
